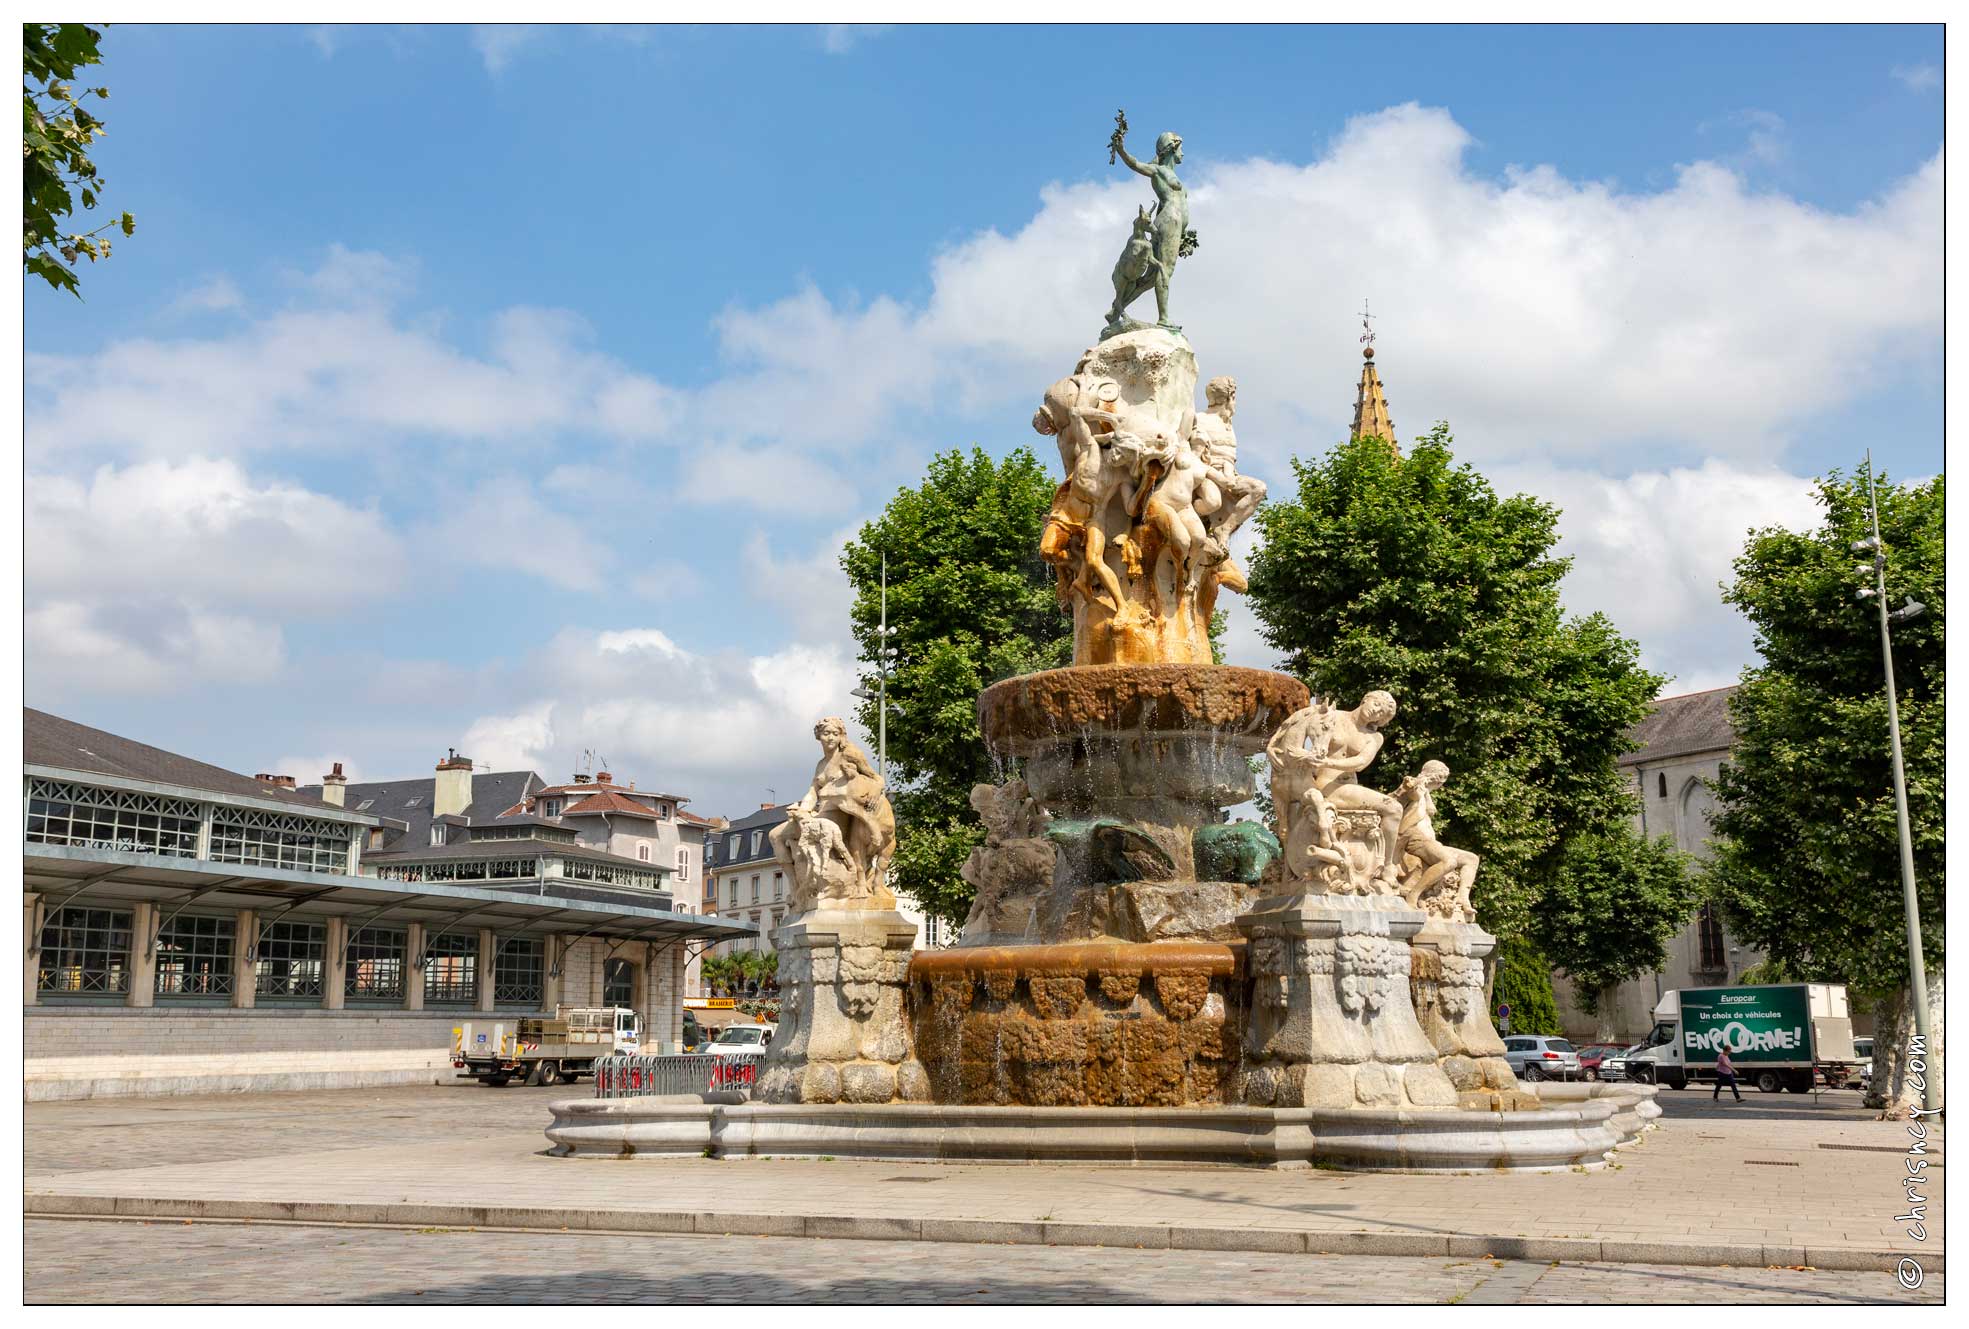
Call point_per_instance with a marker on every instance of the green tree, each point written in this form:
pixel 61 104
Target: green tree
pixel 1524 983
pixel 970 603
pixel 56 171
pixel 1807 856
pixel 1608 912
pixel 1413 575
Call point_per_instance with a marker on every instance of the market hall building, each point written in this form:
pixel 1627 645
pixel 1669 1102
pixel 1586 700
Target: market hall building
pixel 193 930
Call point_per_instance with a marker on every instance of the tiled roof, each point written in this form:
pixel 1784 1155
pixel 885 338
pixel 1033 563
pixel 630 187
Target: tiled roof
pixel 608 801
pixel 1682 726
pixel 49 740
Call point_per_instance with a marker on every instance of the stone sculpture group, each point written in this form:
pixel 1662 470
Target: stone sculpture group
pixel 1100 963
pixel 1340 837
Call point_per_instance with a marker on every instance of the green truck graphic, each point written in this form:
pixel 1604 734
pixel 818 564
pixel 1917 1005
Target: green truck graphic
pixel 1779 1035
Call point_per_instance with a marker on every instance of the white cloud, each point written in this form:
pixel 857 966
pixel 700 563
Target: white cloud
pixel 498 43
pixel 774 479
pixel 202 527
pixel 217 295
pixel 74 647
pixel 156 574
pixel 810 593
pixel 1765 142
pixel 1923 77
pixel 1651 551
pixel 716 727
pixel 502 524
pixel 344 371
pixel 840 38
pixel 518 741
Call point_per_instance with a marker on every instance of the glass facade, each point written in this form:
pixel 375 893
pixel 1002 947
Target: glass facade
pixel 451 969
pixel 619 983
pixel 91 818
pixel 375 966
pixel 277 840
pixel 195 958
pixel 519 974
pixel 85 952
pixel 292 960
pixel 477 869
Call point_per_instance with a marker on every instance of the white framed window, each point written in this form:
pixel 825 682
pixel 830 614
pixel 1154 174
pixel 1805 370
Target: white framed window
pixel 779 884
pixel 663 812
pixel 437 832
pixel 550 807
pixel 683 864
pixel 642 851
pixel 755 892
pixel 734 891
pixel 757 838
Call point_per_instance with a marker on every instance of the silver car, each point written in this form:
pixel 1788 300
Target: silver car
pixel 1613 1066
pixel 1541 1057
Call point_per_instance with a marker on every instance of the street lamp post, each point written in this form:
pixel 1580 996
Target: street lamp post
pixel 1917 970
pixel 885 654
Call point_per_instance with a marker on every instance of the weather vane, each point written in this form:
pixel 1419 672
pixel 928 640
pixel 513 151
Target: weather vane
pixel 1367 326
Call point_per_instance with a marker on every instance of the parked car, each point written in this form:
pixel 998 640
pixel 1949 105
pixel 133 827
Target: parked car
pixel 1593 1054
pixel 1863 1050
pixel 1613 1066
pixel 1541 1057
pixel 741 1039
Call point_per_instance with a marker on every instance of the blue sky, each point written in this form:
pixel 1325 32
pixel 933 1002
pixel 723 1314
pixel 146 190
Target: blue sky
pixel 513 388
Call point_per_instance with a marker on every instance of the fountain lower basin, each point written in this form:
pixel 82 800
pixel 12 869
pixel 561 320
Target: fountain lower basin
pixel 1572 1134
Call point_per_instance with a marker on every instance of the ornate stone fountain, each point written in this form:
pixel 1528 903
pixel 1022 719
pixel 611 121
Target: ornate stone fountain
pixel 1140 977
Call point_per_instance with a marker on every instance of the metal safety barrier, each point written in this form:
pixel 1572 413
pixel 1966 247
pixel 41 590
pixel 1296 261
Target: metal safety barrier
pixel 698 1073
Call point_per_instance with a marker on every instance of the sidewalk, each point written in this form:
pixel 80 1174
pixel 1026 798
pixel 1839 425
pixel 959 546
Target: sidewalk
pixel 1778 1180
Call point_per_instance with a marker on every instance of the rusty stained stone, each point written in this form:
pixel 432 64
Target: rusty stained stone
pixel 1182 993
pixel 1001 983
pixel 1119 986
pixel 1033 711
pixel 1057 996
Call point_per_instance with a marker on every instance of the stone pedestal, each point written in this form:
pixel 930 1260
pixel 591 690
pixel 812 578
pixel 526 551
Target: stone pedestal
pixel 1446 981
pixel 844 1030
pixel 1331 1023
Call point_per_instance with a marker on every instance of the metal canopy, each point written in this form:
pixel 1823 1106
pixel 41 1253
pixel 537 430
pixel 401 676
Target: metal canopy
pixel 104 876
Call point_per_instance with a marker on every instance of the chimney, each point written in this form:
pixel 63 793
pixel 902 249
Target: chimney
pixel 603 777
pixel 453 793
pixel 277 781
pixel 332 785
pixel 767 807
pixel 579 778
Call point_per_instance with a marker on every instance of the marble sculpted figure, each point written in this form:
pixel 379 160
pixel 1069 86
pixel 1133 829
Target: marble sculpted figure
pixel 836 842
pixel 1342 838
pixel 1435 877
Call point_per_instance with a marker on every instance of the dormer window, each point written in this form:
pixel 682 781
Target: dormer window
pixel 550 807
pixel 663 812
pixel 437 832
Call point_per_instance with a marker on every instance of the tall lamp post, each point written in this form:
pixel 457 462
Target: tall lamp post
pixel 885 656
pixel 1917 970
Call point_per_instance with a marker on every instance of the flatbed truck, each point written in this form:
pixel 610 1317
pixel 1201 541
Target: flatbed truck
pixel 542 1049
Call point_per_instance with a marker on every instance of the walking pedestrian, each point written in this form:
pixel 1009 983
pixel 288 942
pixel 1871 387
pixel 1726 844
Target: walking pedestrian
pixel 1726 1070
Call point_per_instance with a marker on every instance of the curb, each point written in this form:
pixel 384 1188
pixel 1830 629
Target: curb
pixel 969 1230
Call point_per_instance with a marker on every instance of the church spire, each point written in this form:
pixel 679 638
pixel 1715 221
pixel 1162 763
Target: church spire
pixel 1370 406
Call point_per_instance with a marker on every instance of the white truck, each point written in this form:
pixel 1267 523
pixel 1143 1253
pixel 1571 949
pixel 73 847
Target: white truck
pixel 542 1050
pixel 1779 1035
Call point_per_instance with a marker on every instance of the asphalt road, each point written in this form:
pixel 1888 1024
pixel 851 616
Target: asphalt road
pixel 124 1261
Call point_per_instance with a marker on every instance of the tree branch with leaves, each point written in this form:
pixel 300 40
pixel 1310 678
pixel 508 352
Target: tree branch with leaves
pixel 57 173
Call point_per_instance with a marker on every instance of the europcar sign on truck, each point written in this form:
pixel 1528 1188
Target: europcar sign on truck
pixel 1756 1024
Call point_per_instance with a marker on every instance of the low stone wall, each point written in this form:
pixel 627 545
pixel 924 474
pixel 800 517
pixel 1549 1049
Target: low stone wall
pixel 1574 1135
pixel 74 1053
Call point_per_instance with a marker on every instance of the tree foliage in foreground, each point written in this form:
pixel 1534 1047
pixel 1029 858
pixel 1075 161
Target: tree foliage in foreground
pixel 970 603
pixel 56 171
pixel 1807 857
pixel 1413 575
